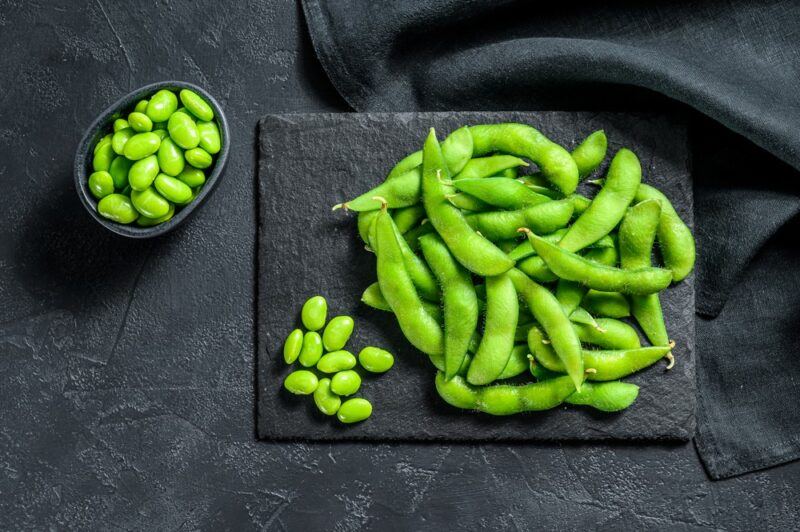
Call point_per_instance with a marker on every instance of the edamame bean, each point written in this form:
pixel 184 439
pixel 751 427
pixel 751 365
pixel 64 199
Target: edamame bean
pixel 472 250
pixel 173 189
pixel 517 363
pixel 183 131
pixel 354 410
pixel 605 396
pixel 675 239
pixel 141 106
pixel 101 184
pixel 541 219
pixel 149 202
pixel 210 139
pixel 193 177
pixel 141 145
pixel 548 312
pixel 573 267
pixel 198 157
pixel 120 139
pixel 502 311
pixel 118 208
pixel 196 105
pixel 524 141
pixel 610 204
pixel 102 159
pixel 311 351
pixel 504 399
pixel 345 382
pixel 375 360
pixel 144 221
pixel 102 142
pixel 162 134
pixel 292 346
pixel 457 149
pixel 161 105
pixel 140 122
pixel 589 154
pixel 501 192
pixel 417 325
pixel 337 333
pixel 143 172
pixel 481 167
pixel 170 157
pixel 314 313
pixel 336 361
pixel 608 304
pixel 327 402
pixel 119 123
pixel 301 382
pixel 459 301
pixel 119 169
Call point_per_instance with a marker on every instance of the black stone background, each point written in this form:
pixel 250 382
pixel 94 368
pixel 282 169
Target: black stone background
pixel 127 368
pixel 309 162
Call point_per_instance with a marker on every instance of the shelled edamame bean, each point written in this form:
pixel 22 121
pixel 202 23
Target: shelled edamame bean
pixel 156 156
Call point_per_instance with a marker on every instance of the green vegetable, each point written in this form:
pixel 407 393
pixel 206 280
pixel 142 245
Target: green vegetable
pixel 314 313
pixel 354 410
pixel 301 382
pixel 345 382
pixel 337 333
pixel 375 360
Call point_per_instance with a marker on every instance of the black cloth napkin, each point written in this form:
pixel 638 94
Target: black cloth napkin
pixel 733 67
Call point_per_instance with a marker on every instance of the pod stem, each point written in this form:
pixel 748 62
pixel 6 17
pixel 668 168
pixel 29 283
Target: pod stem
pixel 590 371
pixel 382 200
pixel 340 206
pixel 524 230
pixel 669 356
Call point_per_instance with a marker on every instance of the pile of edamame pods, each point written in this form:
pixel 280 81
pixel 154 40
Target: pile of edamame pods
pixel 307 349
pixel 154 160
pixel 459 232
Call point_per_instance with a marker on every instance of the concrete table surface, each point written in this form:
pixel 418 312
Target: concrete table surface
pixel 128 367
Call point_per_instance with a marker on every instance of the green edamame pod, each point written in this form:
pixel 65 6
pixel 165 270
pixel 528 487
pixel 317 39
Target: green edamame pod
pixel 375 360
pixel 149 202
pixel 579 204
pixel 610 204
pixel 407 218
pixel 481 167
pixel 412 237
pixel 173 189
pixel 504 399
pixel 675 239
pixel 120 139
pixel 103 157
pixel 170 158
pixel 467 202
pixel 161 105
pixel 311 351
pixel 327 402
pixel 337 333
pixel 608 334
pixel 336 361
pixel 502 312
pixel 459 301
pixel 589 154
pixel 118 208
pixel 501 192
pixel 144 221
pixel 570 293
pixel 354 410
pixel 143 172
pixel 301 382
pixel 417 269
pixel 141 145
pixel 473 251
pixel 373 297
pixel 605 396
pixel 292 346
pixel 397 288
pixel 517 363
pixel 314 313
pixel 345 382
pixel 510 173
pixel 607 304
pixel 535 268
pixel 548 312
pixel 366 221
pixel 140 122
pixel 101 184
pixel 524 141
pixel 525 249
pixel 400 191
pixel 457 149
pixel 541 219
pixel 637 232
pixel 183 130
pixel 119 169
pixel 573 267
pixel 196 105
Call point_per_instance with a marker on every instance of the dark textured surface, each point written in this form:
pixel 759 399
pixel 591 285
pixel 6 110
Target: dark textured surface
pixel 127 367
pixel 312 161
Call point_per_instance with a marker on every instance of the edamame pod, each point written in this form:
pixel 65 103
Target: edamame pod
pixel 301 382
pixel 311 351
pixel 314 313
pixel 196 105
pixel 457 149
pixel 608 334
pixel 541 219
pixel 337 333
pixel 573 267
pixel 354 410
pixel 375 360
pixel 605 396
pixel 501 192
pixel 548 312
pixel 141 145
pixel 467 202
pixel 373 297
pixel 459 301
pixel 589 154
pixel 292 346
pixel 608 304
pixel 161 105
pixel 327 402
pixel 610 204
pixel 502 311
pixel 170 158
pixel 345 383
pixel 517 363
pixel 173 189
pixel 143 172
pixel 481 167
pixel 524 141
pixel 183 130
pixel 570 293
pixel 473 251
pixel 149 202
pixel 101 184
pixel 407 218
pixel 400 191
pixel 418 270
pixel 118 208
pixel 336 361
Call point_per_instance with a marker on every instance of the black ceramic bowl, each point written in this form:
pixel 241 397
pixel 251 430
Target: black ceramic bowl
pixel 102 125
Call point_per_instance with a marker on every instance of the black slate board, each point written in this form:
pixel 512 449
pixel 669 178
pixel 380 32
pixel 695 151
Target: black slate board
pixel 309 162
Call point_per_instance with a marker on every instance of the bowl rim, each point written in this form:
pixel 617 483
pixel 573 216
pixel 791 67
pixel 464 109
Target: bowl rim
pixel 94 132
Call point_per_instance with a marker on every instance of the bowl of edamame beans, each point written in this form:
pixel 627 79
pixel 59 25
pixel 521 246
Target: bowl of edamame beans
pixel 152 158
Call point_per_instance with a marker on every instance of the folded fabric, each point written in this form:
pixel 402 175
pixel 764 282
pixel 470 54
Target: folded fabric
pixel 731 66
